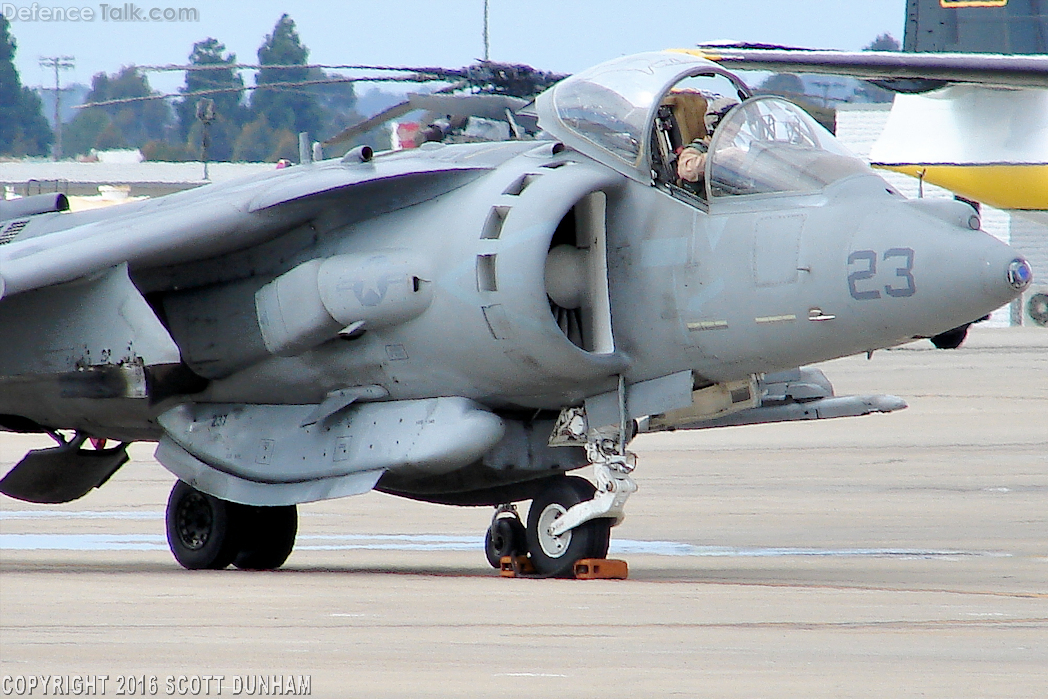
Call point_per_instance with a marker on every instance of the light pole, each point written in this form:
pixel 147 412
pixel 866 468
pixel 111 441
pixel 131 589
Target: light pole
pixel 58 63
pixel 486 53
pixel 205 112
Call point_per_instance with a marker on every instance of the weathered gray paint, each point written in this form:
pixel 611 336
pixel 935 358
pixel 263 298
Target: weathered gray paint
pixel 101 320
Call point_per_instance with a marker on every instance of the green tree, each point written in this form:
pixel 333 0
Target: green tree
pixel 784 84
pixel 791 87
pixel 129 125
pixel 292 108
pixel 168 151
pixel 260 143
pixel 868 92
pixel 338 103
pixel 231 114
pixel 81 134
pixel 279 113
pixel 23 128
pixel 883 42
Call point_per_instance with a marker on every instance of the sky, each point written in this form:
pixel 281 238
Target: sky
pixel 556 35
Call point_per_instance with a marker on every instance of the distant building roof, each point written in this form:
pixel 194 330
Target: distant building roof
pixel 146 178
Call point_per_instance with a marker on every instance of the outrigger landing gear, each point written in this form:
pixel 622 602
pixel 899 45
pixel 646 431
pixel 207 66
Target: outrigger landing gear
pixel 205 532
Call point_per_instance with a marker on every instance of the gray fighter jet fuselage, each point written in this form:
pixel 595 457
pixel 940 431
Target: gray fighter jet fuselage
pixel 466 323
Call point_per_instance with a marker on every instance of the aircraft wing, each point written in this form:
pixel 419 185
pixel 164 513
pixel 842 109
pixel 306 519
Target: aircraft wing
pixel 216 219
pixel 930 69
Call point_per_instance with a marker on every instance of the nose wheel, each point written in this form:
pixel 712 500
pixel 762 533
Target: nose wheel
pixel 208 533
pixel 505 537
pixel 554 555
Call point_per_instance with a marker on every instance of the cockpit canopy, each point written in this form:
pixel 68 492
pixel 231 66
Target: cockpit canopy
pixel 767 145
pixel 609 109
pixel 614 113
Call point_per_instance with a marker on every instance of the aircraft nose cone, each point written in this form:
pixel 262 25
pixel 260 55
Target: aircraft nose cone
pixel 1006 274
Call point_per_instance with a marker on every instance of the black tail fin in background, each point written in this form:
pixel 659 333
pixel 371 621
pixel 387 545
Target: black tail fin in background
pixel 977 26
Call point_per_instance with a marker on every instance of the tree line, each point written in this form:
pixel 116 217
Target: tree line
pixel 259 128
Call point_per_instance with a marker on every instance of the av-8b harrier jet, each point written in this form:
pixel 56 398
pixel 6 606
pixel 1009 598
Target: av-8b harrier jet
pixel 467 324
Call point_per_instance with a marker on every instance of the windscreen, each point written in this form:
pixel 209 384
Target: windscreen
pixel 769 146
pixel 609 105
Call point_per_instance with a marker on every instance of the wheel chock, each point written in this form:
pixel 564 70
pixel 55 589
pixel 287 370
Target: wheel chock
pixel 601 569
pixel 516 567
pixel 584 569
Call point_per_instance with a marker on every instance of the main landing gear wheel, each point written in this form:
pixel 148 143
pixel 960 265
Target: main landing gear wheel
pixel 555 556
pixel 505 537
pixel 200 528
pixel 267 535
pixel 205 532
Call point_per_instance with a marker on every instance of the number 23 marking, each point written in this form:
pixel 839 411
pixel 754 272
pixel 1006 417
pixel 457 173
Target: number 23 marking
pixel 869 260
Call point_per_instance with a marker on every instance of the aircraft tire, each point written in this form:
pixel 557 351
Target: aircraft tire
pixel 555 557
pixel 505 537
pixel 200 528
pixel 267 536
pixel 951 339
pixel 1037 307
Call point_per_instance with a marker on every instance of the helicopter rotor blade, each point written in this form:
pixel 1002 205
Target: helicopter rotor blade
pixel 290 85
pixel 434 71
pixel 360 128
pixel 482 105
pixel 397 110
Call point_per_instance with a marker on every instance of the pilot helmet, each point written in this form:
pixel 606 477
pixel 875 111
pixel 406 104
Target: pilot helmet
pixel 716 110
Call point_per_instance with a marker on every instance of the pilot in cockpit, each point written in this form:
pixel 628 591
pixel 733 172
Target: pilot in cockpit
pixel 691 161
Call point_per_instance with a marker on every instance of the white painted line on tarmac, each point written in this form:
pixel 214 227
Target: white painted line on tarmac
pixel 82 542
pixel 79 514
pixel 438 542
pixel 527 674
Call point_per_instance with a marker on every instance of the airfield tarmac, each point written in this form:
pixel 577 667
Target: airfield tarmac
pixel 893 555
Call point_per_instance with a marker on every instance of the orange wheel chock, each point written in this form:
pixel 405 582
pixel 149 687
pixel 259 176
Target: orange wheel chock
pixel 601 569
pixel 516 567
pixel 584 569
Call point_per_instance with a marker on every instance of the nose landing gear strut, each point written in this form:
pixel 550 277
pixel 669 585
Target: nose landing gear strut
pixel 570 521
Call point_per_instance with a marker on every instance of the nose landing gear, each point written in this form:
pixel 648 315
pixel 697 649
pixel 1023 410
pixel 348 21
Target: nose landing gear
pixel 567 535
pixel 571 520
pixel 550 551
